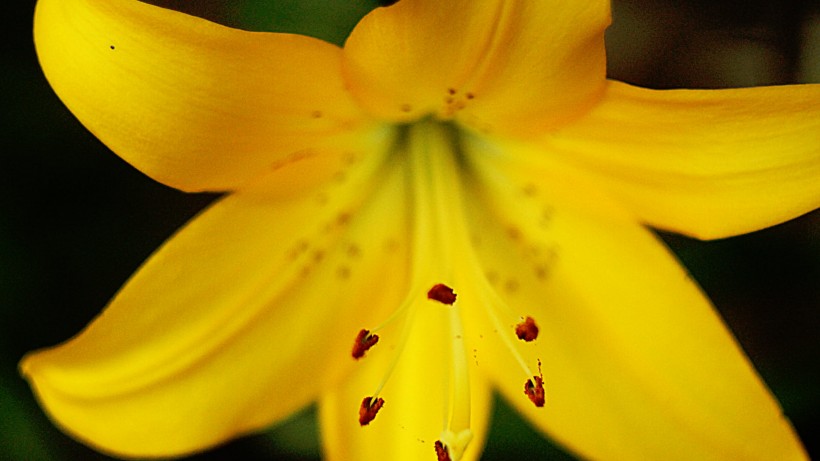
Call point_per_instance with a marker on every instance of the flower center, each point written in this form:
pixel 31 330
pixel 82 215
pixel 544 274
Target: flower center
pixel 443 260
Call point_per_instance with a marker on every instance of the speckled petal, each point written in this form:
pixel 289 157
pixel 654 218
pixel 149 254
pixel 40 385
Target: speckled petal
pixel 636 363
pixel 226 328
pixel 706 163
pixel 496 65
pixel 193 104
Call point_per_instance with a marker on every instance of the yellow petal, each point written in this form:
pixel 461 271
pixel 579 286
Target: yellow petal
pixel 241 318
pixel 502 65
pixel 414 412
pixel 636 363
pixel 707 163
pixel 192 104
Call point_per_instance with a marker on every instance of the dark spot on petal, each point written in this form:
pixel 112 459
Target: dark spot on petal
pixel 318 255
pixel 547 215
pixel 511 285
pixel 514 233
pixel 492 277
pixel 349 158
pixel 353 251
pixel 529 190
pixel 343 218
pixel 343 272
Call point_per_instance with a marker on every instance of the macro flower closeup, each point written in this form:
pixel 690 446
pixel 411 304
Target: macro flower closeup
pixel 456 202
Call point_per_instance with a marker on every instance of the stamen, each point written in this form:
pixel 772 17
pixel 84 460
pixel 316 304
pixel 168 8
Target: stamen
pixel 406 309
pixel 458 400
pixel 364 341
pixel 441 452
pixel 536 391
pixel 496 304
pixel 368 410
pixel 442 293
pixel 527 330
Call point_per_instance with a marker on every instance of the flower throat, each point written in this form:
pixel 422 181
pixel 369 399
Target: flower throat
pixel 443 261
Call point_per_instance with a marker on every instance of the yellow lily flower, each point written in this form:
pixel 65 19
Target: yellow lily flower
pixel 472 146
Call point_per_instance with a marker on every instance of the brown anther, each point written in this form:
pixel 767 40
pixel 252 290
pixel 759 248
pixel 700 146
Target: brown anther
pixel 364 341
pixel 441 451
pixel 406 108
pixel 536 391
pixel 368 410
pixel 451 91
pixel 470 95
pixel 527 330
pixel 442 293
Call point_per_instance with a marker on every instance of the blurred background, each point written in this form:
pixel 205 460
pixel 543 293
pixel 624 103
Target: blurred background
pixel 76 221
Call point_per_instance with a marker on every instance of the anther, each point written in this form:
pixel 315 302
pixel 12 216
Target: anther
pixel 441 451
pixel 527 330
pixel 536 391
pixel 368 410
pixel 364 341
pixel 442 293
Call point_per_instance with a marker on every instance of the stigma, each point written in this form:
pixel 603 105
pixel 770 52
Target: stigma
pixel 441 451
pixel 451 445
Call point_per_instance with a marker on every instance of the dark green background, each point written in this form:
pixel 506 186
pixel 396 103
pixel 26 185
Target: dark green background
pixel 75 220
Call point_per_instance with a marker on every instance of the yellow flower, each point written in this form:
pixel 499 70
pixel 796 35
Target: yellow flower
pixel 472 145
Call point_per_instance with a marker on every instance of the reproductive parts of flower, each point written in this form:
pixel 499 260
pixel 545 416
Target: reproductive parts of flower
pixel 441 252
